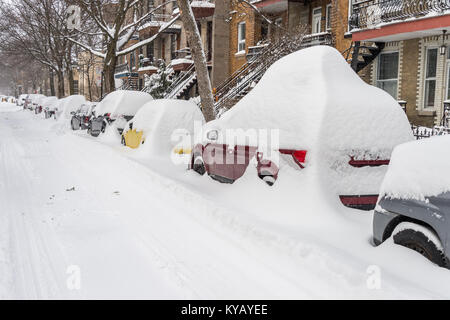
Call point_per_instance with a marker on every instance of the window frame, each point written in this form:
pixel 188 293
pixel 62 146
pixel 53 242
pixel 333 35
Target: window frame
pixel 378 80
pixel 320 21
pixel 241 41
pixel 328 17
pixel 426 78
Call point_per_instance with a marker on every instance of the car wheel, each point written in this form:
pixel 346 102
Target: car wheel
pixel 198 165
pixel 422 240
pixel 269 179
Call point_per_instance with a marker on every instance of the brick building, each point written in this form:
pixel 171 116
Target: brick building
pixel 414 64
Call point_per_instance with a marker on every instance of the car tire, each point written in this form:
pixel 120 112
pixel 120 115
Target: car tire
pixel 422 240
pixel 198 164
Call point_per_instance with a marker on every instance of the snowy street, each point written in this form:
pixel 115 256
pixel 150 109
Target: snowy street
pixel 85 218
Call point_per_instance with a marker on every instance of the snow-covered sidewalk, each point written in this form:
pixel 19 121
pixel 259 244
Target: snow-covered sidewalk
pixel 133 227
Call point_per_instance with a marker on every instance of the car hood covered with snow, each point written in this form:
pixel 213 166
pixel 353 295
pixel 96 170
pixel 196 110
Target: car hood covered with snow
pixel 314 99
pixel 418 169
pixel 166 123
pixel 122 102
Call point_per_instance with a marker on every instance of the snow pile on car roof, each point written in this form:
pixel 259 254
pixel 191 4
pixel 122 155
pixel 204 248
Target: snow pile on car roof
pixel 312 100
pixel 49 101
pixel 122 102
pixel 419 169
pixel 165 123
pixel 67 105
pixel 315 99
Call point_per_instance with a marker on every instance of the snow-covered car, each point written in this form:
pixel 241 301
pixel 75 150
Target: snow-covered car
pixel 48 106
pixel 38 105
pixel 21 100
pixel 118 107
pixel 414 204
pixel 33 101
pixel 81 118
pixel 67 105
pixel 312 112
pixel 158 122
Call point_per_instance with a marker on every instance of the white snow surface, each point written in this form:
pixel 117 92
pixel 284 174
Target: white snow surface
pixel 122 102
pixel 165 124
pixel 419 169
pixel 143 227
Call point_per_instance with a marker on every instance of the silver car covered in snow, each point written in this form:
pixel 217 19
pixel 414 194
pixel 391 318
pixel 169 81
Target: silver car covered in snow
pixel 414 204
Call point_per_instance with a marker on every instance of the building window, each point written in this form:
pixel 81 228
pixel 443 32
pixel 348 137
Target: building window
pixel 241 37
pixel 387 76
pixel 173 46
pixel 132 59
pixel 150 50
pixel 316 20
pixel 430 77
pixel 75 87
pixel 328 25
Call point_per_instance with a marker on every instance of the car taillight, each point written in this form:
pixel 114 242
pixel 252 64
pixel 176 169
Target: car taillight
pixel 108 115
pixel 86 119
pixel 299 156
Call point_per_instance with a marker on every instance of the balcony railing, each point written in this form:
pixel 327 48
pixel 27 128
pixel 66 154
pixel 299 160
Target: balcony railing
pixel 122 68
pixel 372 13
pixel 323 38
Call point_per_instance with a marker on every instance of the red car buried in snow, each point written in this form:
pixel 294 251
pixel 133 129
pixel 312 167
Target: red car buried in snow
pixel 310 112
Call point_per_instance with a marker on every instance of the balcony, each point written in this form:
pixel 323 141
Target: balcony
pixel 122 68
pixel 317 39
pixel 272 6
pixel 156 20
pixel 203 8
pixel 393 20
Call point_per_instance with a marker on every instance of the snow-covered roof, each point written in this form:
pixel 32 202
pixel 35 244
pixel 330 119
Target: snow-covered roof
pixel 419 169
pixel 122 102
pixel 315 99
pixel 159 119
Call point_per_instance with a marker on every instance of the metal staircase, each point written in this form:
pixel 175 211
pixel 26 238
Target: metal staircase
pixel 182 84
pixel 243 80
pixel 362 54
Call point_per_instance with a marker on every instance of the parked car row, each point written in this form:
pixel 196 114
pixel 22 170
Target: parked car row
pixel 322 125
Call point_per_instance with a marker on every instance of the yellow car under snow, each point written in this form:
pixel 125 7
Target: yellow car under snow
pixel 134 139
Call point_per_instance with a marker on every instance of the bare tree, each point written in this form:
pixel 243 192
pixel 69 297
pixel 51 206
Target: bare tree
pixel 116 22
pixel 198 55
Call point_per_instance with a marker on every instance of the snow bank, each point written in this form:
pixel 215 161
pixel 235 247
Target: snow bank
pixel 318 103
pixel 419 169
pixel 165 123
pixel 122 102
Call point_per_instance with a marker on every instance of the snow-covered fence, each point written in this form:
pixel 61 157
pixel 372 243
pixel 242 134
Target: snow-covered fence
pixel 425 132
